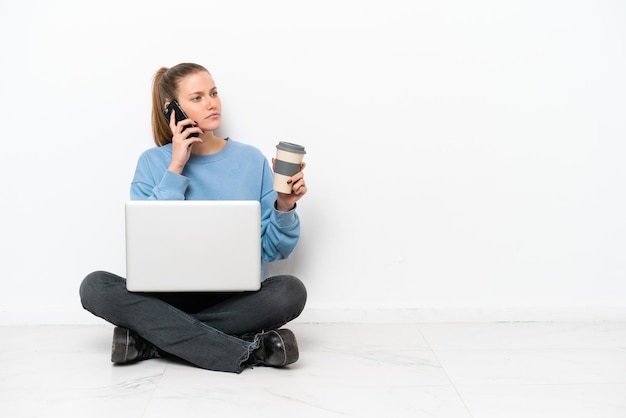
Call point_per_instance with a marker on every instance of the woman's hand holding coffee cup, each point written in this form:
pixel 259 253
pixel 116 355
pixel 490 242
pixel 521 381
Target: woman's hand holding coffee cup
pixel 286 201
pixel 288 176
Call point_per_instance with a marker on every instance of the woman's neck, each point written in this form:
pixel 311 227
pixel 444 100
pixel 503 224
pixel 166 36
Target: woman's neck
pixel 211 144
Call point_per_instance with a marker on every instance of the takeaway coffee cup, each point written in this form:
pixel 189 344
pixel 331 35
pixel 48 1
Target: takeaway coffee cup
pixel 287 163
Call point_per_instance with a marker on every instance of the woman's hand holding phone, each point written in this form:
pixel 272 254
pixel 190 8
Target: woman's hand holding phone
pixel 182 140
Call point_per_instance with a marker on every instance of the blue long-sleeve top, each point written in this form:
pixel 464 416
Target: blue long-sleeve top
pixel 237 172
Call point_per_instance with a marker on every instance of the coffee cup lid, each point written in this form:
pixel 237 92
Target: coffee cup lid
pixel 288 146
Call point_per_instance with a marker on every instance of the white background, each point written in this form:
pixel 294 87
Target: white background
pixel 465 159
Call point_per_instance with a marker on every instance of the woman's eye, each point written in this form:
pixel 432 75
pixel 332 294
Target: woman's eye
pixel 213 94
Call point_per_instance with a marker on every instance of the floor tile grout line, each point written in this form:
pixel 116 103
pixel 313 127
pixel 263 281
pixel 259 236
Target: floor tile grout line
pixel 444 371
pixel 156 387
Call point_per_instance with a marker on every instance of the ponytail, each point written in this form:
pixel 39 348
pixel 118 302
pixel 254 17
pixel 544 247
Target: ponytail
pixel 160 127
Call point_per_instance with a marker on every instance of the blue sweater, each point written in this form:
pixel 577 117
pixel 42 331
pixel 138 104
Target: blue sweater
pixel 237 172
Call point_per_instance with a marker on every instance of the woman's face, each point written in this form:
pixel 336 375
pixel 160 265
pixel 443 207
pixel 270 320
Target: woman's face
pixel 197 95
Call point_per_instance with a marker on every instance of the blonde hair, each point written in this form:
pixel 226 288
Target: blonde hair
pixel 165 89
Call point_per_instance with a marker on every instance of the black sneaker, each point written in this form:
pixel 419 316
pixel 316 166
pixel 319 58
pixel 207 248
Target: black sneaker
pixel 129 347
pixel 277 348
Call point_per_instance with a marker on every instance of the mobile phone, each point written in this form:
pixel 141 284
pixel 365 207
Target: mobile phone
pixel 179 114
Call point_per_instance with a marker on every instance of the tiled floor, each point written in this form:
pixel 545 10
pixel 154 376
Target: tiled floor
pixel 499 370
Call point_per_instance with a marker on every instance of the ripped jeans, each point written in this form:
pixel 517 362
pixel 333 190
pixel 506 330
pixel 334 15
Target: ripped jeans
pixel 201 328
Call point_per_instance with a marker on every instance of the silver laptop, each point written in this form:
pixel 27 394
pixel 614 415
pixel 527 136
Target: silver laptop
pixel 193 245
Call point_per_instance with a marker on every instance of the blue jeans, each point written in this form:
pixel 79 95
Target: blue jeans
pixel 201 328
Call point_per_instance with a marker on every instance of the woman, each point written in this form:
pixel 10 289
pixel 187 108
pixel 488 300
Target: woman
pixel 215 331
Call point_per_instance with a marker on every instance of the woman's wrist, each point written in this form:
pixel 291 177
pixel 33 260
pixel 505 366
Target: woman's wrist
pixel 175 168
pixel 283 208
